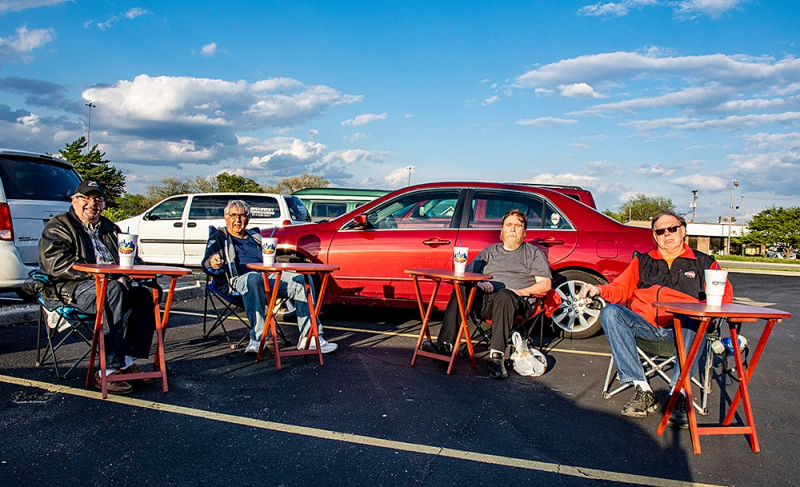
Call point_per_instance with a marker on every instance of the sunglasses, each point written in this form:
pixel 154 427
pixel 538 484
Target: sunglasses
pixel 672 229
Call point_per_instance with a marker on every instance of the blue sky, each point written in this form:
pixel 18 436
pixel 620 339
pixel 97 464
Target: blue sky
pixel 660 97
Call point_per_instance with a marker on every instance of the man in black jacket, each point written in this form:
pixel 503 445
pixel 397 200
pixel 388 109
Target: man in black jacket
pixel 83 235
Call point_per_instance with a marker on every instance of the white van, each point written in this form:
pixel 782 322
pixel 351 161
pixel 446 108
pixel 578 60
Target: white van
pixel 33 189
pixel 175 231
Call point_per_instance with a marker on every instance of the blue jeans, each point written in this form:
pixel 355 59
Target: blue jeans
pixel 622 326
pixel 251 287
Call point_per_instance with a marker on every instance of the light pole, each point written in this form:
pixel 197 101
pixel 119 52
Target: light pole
pixel 90 105
pixel 742 206
pixel 694 201
pixel 409 168
pixel 730 219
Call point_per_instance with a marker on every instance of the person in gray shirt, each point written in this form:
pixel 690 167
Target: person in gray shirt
pixel 518 270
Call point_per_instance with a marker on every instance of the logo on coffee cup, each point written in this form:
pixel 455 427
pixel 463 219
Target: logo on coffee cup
pixel 268 249
pixel 126 247
pixel 460 258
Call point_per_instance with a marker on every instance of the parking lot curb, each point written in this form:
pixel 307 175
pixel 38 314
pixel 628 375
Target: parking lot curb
pixel 29 312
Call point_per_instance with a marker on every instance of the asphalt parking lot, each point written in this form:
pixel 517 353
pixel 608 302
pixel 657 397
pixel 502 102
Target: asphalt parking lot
pixel 368 418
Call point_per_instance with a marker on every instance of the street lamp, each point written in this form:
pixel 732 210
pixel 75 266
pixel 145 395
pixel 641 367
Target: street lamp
pixel 742 206
pixel 90 105
pixel 409 168
pixel 730 218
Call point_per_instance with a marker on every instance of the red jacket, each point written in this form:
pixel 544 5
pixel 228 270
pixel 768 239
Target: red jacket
pixel 648 279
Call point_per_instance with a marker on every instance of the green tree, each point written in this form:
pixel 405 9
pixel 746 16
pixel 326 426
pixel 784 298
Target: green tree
pixel 774 226
pixel 641 207
pixel 237 184
pixel 92 166
pixel 296 183
pixel 170 186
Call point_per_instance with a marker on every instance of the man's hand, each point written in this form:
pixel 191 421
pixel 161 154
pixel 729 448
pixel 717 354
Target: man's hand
pixel 589 290
pixel 486 286
pixel 216 261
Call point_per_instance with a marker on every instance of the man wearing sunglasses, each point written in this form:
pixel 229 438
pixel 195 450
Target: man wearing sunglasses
pixel 671 272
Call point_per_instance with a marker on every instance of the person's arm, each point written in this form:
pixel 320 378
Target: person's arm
pixel 620 289
pixel 213 260
pixel 542 286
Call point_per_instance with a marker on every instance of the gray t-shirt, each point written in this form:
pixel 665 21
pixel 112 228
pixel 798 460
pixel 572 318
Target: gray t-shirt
pixel 515 269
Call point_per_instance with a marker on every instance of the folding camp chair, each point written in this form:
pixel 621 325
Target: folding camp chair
pixel 62 325
pixel 537 308
pixel 658 357
pixel 227 304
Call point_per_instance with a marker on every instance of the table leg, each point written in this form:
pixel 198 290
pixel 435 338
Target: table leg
pixel 463 329
pixel 426 316
pixel 272 298
pixel 684 380
pixel 159 361
pixel 743 392
pixel 313 309
pixel 98 338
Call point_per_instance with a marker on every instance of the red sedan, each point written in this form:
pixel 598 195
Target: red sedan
pixel 418 226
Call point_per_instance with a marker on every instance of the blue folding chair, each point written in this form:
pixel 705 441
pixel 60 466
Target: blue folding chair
pixel 227 304
pixel 61 324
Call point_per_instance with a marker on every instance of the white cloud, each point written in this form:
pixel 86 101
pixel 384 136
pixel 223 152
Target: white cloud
pixel 491 99
pixel 684 9
pixel 108 23
pixel 365 119
pixel 209 50
pixel 135 12
pixel 734 122
pixel 712 8
pixel 23 42
pixel 544 121
pixel 352 156
pixel 580 146
pixel 400 176
pixel 656 170
pixel 578 90
pixel 19 5
pixel 702 181
pixel 200 108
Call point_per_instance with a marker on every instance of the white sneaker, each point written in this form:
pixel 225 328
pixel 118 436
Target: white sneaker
pixel 252 347
pixel 325 347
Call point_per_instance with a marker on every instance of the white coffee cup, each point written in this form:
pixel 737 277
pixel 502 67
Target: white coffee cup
pixel 269 248
pixel 460 256
pixel 126 247
pixel 715 286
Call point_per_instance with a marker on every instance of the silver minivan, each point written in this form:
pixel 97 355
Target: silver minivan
pixel 175 231
pixel 33 189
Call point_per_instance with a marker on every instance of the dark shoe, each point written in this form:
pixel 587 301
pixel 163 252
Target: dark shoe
pixel 134 369
pixel 116 387
pixel 439 348
pixel 497 369
pixel 642 404
pixel 680 414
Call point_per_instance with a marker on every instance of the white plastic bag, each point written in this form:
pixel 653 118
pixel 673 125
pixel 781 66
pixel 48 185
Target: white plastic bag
pixel 527 361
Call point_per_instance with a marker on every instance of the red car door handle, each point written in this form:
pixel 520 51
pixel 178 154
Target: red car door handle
pixel 436 241
pixel 548 241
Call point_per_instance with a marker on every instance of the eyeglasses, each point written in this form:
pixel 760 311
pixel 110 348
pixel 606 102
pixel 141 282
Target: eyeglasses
pixel 239 216
pixel 91 199
pixel 672 229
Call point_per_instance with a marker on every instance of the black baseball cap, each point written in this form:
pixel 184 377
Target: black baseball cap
pixel 87 187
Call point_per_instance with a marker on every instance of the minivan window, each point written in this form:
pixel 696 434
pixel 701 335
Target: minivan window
pixel 168 210
pixel 297 209
pixel 209 207
pixel 28 179
pixel 328 210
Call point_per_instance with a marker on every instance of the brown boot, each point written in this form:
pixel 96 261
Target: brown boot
pixel 116 387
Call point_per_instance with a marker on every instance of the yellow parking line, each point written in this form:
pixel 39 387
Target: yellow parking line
pixel 410 335
pixel 464 455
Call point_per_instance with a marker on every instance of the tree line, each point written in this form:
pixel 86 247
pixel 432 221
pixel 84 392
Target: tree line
pixel 774 226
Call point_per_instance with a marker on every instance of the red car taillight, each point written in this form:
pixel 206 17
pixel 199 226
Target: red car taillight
pixel 287 222
pixel 6 228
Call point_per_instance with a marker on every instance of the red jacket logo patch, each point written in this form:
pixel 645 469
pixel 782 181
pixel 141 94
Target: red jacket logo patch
pixel 690 274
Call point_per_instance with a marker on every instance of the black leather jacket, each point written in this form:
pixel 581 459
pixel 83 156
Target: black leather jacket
pixel 64 242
